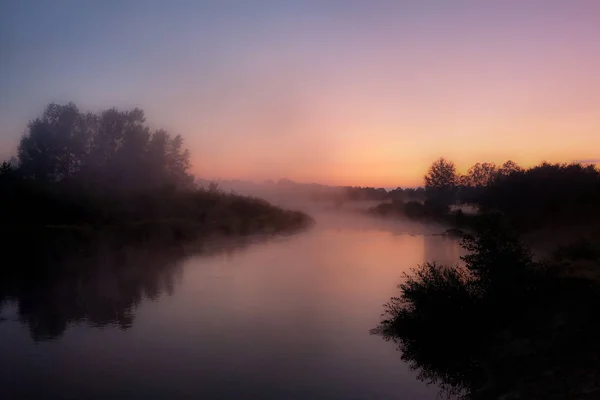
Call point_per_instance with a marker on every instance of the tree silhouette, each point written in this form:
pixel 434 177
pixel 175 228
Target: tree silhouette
pixel 441 182
pixel 481 174
pixel 502 325
pixel 547 193
pixel 508 168
pixel 113 149
pixel 5 168
pixel 54 146
pixel 441 174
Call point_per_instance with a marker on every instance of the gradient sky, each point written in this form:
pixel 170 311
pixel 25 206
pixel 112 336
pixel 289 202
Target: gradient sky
pixel 337 92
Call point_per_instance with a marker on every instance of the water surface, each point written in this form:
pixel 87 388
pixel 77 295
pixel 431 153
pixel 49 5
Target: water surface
pixel 283 319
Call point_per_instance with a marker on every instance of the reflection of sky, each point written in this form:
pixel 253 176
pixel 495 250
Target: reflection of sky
pixel 335 92
pixel 284 319
pixel 442 249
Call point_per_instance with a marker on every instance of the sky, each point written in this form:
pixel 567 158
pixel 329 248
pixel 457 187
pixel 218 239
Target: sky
pixel 337 92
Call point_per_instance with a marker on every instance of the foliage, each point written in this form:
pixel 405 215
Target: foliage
pixel 364 193
pixel 414 209
pixel 551 194
pixel 481 174
pixel 543 195
pixel 484 174
pixel 499 326
pixel 112 149
pixel 441 175
pixel 197 212
pixel 441 182
pixel 496 257
pixel 508 168
pixel 434 299
pixel 107 175
pixel 411 209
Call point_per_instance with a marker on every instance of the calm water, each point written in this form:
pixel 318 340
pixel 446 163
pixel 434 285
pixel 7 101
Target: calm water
pixel 285 319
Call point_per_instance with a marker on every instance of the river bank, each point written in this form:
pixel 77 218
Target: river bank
pixel 178 219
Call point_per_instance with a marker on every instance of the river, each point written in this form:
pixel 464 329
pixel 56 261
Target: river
pixel 286 318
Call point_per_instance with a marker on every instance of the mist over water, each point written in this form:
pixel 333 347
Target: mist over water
pixel 330 206
pixel 283 318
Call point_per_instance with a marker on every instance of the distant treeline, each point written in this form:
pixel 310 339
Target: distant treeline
pixel 528 197
pixel 365 193
pixel 317 192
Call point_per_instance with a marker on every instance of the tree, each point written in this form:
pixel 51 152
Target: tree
pixel 112 149
pixel 508 168
pixel 55 145
pixel 5 168
pixel 178 161
pixel 481 174
pixel 441 181
pixel 441 174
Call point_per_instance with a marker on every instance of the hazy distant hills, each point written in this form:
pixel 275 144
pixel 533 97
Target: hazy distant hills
pixel 288 189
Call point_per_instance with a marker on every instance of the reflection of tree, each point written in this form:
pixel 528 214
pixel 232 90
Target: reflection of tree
pixel 503 326
pixel 100 291
pixel 96 286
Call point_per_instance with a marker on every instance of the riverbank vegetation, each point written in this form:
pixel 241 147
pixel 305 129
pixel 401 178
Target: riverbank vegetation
pixel 505 323
pixel 80 178
pixel 501 325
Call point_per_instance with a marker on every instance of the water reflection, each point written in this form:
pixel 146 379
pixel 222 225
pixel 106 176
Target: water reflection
pixel 101 289
pixel 283 319
pixel 441 249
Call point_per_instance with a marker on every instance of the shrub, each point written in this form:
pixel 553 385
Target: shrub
pixel 414 210
pixel 501 326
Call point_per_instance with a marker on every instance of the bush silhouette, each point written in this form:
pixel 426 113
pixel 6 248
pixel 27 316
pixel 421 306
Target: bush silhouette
pixel 499 326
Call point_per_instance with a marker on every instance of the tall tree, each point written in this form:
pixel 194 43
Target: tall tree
pixel 111 149
pixel 441 181
pixel 55 145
